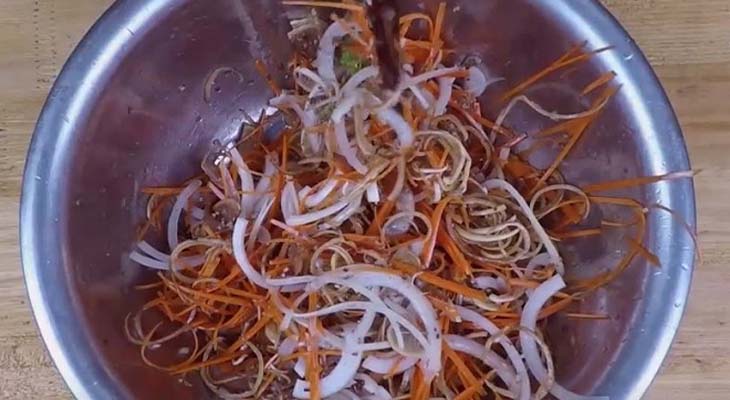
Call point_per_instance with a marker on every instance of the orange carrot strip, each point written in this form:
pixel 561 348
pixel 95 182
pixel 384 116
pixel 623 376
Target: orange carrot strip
pixel 470 391
pixel 256 328
pixel 451 286
pixel 383 212
pixel 461 264
pixel 633 182
pixel 578 234
pixel 561 63
pixel 325 4
pixel 644 252
pixel 575 137
pixel 602 80
pixel 261 68
pixel 467 377
pixel 430 244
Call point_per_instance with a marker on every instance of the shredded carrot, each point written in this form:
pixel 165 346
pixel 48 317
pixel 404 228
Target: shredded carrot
pixel 644 252
pixel 383 212
pixel 326 4
pixel 575 137
pixel 454 287
pixel 430 244
pixel 578 234
pixel 263 71
pixel 464 372
pixel 470 392
pixel 634 182
pixel 561 63
pixel 462 266
pixel 602 80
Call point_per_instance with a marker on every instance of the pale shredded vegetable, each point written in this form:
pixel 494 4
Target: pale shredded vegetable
pixel 379 243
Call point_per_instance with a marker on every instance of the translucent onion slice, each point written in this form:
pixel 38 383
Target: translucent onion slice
pixel 174 220
pixel 402 129
pixel 372 387
pixel 248 198
pixel 446 86
pixel 239 252
pixel 383 365
pixel 530 313
pixel 523 380
pixel 359 78
pixel 477 83
pixel 347 150
pixel 539 230
pixel 148 261
pixel 325 61
pixel 314 199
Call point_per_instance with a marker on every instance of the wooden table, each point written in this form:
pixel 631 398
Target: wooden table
pixel 688 42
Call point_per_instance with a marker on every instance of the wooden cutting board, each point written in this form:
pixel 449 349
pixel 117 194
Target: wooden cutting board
pixel 688 42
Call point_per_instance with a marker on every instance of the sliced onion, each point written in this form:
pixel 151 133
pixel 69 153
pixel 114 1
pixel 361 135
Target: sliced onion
pixel 540 260
pixel 314 216
pixel 402 129
pixel 395 365
pixel 489 283
pixel 373 193
pixel 177 208
pixel 152 251
pixel 446 86
pixel 539 230
pixel 239 252
pixel 289 202
pixel 308 118
pixel 288 346
pixel 312 76
pixel 347 150
pixel 352 208
pixel 248 198
pixel 424 97
pixel 372 387
pixel 343 107
pixel 360 76
pixel 523 380
pixel 432 357
pixel 149 262
pixel 436 73
pixel 325 61
pixel 314 199
pixel 477 83
pixel 263 186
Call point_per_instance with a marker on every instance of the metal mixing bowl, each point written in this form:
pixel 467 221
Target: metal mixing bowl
pixel 128 112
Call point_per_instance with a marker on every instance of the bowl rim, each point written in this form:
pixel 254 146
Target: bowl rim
pixel 111 34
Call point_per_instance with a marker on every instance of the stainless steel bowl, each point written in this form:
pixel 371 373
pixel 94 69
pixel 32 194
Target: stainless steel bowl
pixel 128 112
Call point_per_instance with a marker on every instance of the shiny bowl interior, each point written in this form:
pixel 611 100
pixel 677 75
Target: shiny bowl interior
pixel 128 112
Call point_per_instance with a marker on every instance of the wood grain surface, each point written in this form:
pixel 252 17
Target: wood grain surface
pixel 688 42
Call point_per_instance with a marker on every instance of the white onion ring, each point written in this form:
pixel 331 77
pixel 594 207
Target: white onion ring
pixel 177 208
pixel 395 120
pixel 530 314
